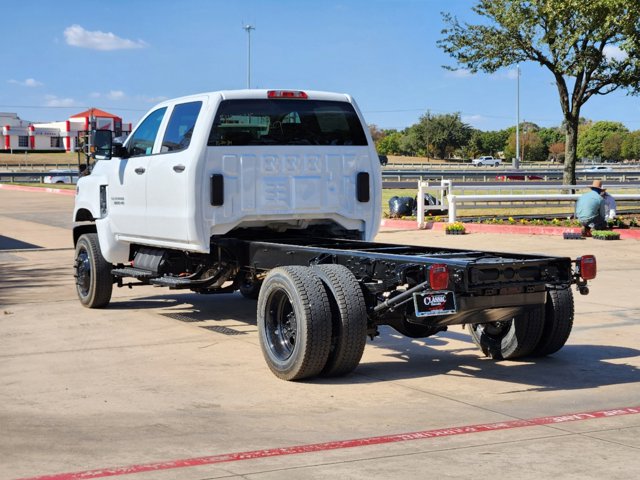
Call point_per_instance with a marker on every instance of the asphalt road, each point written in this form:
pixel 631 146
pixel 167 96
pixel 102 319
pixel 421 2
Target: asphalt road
pixel 164 385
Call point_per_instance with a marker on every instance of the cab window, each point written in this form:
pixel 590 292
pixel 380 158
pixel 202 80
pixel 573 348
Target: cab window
pixel 141 142
pixel 180 128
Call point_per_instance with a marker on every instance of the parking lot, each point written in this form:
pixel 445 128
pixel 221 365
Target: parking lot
pixel 166 385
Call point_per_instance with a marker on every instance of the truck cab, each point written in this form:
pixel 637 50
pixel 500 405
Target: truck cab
pixel 207 164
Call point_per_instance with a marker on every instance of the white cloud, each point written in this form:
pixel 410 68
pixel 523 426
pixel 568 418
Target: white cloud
pixel 29 82
pixel 77 36
pixel 115 95
pixel 512 74
pixel 474 120
pixel 460 73
pixel 613 52
pixel 54 101
pixel 152 99
pixel 95 95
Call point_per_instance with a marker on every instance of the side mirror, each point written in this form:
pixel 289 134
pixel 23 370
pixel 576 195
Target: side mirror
pixel 102 142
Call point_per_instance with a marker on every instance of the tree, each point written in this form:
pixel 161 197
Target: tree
pixel 531 146
pixel 592 138
pixel 390 144
pixel 630 148
pixel 612 146
pixel 590 48
pixel 442 133
pixel 376 133
pixel 557 151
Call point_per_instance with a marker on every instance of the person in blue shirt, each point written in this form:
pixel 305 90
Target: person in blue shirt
pixel 590 209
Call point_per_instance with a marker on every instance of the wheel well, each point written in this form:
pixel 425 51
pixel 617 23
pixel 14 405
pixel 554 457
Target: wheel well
pixel 81 230
pixel 84 215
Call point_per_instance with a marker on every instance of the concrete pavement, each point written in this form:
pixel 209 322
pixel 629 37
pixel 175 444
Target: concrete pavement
pixel 166 385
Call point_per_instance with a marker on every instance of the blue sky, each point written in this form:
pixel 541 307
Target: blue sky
pixel 59 58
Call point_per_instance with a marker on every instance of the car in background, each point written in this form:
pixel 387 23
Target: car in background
pixel 517 176
pixel 62 176
pixel 598 168
pixel 486 160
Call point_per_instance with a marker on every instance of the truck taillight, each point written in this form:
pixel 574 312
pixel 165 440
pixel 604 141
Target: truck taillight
pixel 287 94
pixel 588 267
pixel 438 277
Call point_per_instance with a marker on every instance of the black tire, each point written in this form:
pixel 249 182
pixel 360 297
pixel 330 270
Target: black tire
pixel 348 319
pixel 294 322
pixel 558 322
pixel 94 282
pixel 509 339
pixel 250 287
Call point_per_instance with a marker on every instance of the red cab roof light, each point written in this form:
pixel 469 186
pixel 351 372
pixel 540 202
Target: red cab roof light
pixel 287 94
pixel 438 276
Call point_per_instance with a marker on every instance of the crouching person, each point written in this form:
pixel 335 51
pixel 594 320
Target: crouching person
pixel 590 209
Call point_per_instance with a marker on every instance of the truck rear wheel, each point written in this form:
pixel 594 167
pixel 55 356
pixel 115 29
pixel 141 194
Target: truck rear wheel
pixel 558 322
pixel 94 282
pixel 349 319
pixel 509 339
pixel 294 322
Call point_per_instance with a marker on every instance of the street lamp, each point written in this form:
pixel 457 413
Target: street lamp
pixel 517 161
pixel 248 29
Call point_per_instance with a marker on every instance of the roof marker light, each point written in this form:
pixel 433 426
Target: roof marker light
pixel 287 94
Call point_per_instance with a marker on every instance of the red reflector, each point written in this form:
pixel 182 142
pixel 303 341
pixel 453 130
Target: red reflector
pixel 588 267
pixel 287 94
pixel 438 277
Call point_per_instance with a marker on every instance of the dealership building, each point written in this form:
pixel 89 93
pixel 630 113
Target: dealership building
pixel 21 135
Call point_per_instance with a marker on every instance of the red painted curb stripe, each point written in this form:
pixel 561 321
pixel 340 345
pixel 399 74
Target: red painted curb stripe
pixel 319 447
pixel 21 188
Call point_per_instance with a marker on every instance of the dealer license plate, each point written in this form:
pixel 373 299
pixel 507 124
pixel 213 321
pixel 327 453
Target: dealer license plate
pixel 428 304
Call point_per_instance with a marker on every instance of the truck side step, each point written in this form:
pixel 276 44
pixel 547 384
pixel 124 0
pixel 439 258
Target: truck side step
pixel 174 282
pixel 131 272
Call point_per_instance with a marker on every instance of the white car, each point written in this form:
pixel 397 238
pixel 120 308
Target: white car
pixel 486 160
pixel 62 176
pixel 598 168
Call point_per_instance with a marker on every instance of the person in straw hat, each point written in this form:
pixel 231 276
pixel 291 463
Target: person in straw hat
pixel 590 209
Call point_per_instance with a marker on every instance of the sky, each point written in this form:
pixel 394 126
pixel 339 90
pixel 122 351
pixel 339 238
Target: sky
pixel 123 56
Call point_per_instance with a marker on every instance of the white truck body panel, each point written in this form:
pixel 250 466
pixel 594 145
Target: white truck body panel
pixel 162 198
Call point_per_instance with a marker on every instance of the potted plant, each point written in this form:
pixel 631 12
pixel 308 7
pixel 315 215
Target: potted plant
pixel 605 235
pixel 455 228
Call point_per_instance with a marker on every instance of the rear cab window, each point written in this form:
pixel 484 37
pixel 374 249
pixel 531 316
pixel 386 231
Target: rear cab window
pixel 274 122
pixel 180 127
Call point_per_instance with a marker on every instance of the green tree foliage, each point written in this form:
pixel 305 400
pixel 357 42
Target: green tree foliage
pixel 630 148
pixel 590 144
pixel 488 143
pixel 442 134
pixel 532 147
pixel 390 144
pixel 590 47
pixel 612 146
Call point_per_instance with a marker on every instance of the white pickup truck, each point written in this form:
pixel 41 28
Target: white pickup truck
pixel 277 194
pixel 486 160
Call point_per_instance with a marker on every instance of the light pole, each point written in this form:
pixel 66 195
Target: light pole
pixel 248 28
pixel 517 164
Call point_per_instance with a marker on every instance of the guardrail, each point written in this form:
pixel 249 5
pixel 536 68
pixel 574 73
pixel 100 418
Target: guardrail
pixel 454 201
pixel 35 177
pixel 492 175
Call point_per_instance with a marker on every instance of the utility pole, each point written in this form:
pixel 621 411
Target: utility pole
pixel 517 165
pixel 248 29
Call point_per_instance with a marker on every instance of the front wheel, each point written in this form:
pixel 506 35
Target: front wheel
pixel 509 339
pixel 94 282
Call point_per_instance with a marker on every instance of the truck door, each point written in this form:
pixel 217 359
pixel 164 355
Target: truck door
pixel 128 191
pixel 168 178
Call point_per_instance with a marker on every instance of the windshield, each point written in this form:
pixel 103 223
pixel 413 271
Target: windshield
pixel 286 122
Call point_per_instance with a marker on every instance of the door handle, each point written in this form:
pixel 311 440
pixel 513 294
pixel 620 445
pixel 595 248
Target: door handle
pixel 139 170
pixel 178 168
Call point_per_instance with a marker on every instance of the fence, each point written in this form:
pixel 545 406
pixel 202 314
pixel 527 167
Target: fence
pixel 532 200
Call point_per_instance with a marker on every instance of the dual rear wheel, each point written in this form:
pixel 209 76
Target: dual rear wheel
pixel 311 321
pixel 537 332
